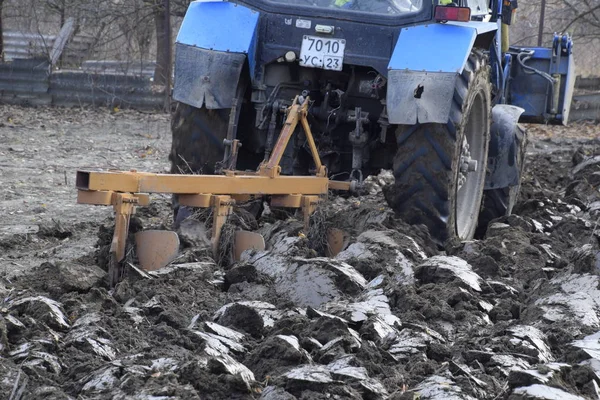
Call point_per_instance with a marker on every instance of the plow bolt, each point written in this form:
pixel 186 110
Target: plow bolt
pixel 472 166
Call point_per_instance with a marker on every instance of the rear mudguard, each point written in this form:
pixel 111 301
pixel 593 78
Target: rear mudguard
pixel 424 66
pixel 506 141
pixel 213 43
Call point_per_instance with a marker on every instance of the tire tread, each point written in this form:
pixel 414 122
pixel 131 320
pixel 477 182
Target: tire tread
pixel 423 166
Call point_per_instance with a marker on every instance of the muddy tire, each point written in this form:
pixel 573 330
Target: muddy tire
pixel 496 203
pixel 197 139
pixel 198 135
pixel 197 144
pixel 433 185
pixel 501 201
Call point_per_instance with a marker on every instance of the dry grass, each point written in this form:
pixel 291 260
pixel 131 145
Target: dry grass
pixel 320 222
pixel 239 219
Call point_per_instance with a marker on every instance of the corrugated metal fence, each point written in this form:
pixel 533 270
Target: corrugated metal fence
pixel 138 68
pixel 19 45
pixel 586 101
pixel 585 107
pixel 75 88
pixel 32 82
pixel 25 81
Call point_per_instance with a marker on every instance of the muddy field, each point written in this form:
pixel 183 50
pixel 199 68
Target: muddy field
pixel 515 315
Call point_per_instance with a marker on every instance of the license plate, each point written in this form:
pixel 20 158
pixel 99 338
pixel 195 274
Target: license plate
pixel 317 52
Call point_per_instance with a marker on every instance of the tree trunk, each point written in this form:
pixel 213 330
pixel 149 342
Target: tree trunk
pixel 1 34
pixel 62 13
pixel 162 45
pixel 540 38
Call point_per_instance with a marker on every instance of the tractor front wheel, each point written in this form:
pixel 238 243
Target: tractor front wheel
pixel 500 202
pixel 439 169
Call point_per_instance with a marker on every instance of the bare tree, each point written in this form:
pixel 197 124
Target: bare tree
pixel 164 39
pixel 137 26
pixel 1 33
pixel 579 17
pixel 162 58
pixel 58 7
pixel 179 7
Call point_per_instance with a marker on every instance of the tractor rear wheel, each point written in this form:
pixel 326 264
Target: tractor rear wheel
pixel 197 139
pixel 439 169
pixel 197 144
pixel 496 203
pixel 198 135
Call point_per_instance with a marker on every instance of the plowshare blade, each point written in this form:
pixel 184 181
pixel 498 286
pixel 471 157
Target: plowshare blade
pixel 155 249
pixel 336 239
pixel 245 240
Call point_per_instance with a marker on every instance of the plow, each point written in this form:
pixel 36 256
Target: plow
pixel 126 190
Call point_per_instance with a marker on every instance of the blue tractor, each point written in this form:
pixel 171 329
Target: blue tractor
pixel 431 90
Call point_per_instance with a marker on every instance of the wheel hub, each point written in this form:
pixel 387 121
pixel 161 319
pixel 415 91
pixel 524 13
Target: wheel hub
pixel 470 173
pixel 467 164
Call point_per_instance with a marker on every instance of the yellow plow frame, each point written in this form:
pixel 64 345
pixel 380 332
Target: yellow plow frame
pixel 125 190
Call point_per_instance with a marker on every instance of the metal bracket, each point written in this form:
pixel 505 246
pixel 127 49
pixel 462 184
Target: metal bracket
pixel 222 207
pixel 230 143
pixel 296 113
pixel 359 139
pixel 124 205
pixel 308 205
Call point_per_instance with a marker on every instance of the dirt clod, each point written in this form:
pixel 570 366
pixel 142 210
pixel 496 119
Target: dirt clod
pixel 244 318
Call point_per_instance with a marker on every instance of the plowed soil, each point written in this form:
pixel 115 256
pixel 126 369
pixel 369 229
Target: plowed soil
pixel 514 315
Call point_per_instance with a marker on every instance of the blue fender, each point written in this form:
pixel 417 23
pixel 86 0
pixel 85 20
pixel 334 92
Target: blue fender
pixel 423 69
pixel 210 53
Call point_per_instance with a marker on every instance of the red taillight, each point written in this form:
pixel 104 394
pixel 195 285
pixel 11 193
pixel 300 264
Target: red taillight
pixel 452 14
